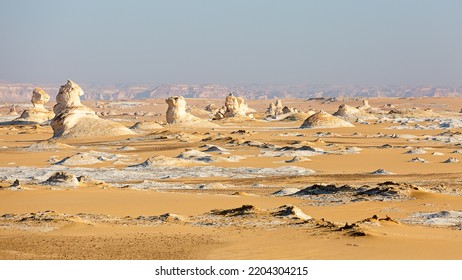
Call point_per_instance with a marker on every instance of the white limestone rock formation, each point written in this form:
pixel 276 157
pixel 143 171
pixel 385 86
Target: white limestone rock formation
pixel 62 179
pixel 177 115
pixel 12 111
pixel 278 111
pixel 365 105
pixel 234 107
pixel 38 113
pixel 324 120
pixel 289 110
pixel 146 125
pixel 271 111
pixel 353 114
pixel 211 108
pixel 278 106
pixel 274 109
pixel 74 120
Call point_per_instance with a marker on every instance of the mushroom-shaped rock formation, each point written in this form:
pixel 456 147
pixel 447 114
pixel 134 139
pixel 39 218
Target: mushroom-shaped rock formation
pixel 350 113
pixel 38 113
pixel 234 107
pixel 176 113
pixel 74 120
pixel 326 120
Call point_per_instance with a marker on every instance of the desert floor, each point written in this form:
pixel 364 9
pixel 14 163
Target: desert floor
pixel 234 192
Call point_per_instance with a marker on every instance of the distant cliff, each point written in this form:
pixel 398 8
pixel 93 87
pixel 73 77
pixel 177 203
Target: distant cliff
pixel 22 92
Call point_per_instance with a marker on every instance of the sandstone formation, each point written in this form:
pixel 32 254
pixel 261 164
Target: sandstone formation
pixel 234 107
pixel 38 113
pixel 176 114
pixel 352 114
pixel 326 120
pixel 74 120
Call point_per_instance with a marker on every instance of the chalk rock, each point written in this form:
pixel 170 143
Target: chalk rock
pixel 271 111
pixel 350 113
pixel 211 108
pixel 176 113
pixel 146 125
pixel 365 105
pixel 12 111
pixel 74 120
pixel 289 110
pixel 234 107
pixel 62 179
pixel 277 111
pixel 326 120
pixel 451 160
pixel 38 113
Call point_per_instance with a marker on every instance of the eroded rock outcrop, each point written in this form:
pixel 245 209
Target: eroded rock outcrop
pixel 176 113
pixel 326 120
pixel 365 105
pixel 234 107
pixel 38 113
pixel 74 120
pixel 62 179
pixel 277 111
pixel 352 114
pixel 12 111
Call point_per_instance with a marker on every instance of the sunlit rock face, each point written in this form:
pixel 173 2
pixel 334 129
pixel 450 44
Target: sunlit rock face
pixel 176 114
pixel 234 107
pixel 323 119
pixel 38 113
pixel 176 111
pixel 74 120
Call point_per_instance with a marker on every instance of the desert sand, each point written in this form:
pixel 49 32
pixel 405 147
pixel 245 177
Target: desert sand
pixel 388 187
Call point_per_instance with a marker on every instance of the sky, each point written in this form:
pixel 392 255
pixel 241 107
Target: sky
pixel 239 42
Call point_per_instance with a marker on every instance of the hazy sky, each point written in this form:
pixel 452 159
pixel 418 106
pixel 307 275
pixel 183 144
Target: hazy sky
pixel 405 42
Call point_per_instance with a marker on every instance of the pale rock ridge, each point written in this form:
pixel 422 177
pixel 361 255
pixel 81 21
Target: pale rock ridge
pixel 323 119
pixel 350 113
pixel 176 113
pixel 74 120
pixel 38 113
